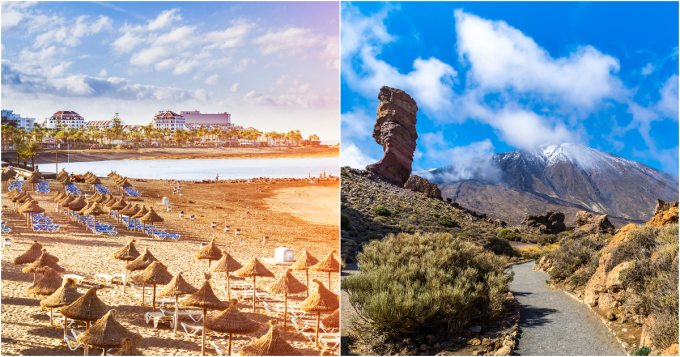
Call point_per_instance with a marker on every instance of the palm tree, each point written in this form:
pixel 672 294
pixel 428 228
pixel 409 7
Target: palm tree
pixel 18 142
pixel 23 154
pixel 31 149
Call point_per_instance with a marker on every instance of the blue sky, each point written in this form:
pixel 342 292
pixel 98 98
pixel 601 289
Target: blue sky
pixel 499 76
pixel 274 65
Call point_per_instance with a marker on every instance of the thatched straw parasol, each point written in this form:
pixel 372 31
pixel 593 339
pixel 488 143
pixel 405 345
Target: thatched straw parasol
pixel 65 181
pixel 141 213
pixel 286 284
pixel 111 173
pixel 127 348
pixel 178 286
pixel 110 201
pixel 77 205
pixel 118 205
pixel 210 252
pixel 33 179
pixel 55 195
pixel 87 308
pixel 124 184
pixel 107 333
pixel 322 300
pixel 332 320
pixel 11 173
pixel 151 217
pixel 154 274
pixel 47 284
pixel 94 210
pixel 95 181
pixel 38 266
pixel 30 255
pixel 127 253
pixel 227 264
pixel 65 295
pixel 205 299
pixel 141 263
pixel 254 269
pixel 327 265
pixel 30 208
pixel 13 192
pixel 271 344
pixel 304 263
pixel 64 202
pixel 232 321
pixel 62 174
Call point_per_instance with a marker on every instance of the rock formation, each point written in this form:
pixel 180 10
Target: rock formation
pixel 549 223
pixel 589 224
pixel 395 130
pixel 419 184
pixel 664 213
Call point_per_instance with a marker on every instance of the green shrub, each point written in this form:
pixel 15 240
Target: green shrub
pixel 572 255
pixel 382 211
pixel 500 247
pixel 642 351
pixel 446 221
pixel 370 237
pixel 345 222
pixel 639 244
pixel 415 284
pixel 508 234
pixel 548 239
pixel 564 234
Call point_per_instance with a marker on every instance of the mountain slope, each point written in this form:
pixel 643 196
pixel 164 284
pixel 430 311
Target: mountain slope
pixel 566 177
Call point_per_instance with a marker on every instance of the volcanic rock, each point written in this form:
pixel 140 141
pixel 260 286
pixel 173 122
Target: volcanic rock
pixel 395 130
pixel 598 224
pixel 419 184
pixel 664 213
pixel 551 222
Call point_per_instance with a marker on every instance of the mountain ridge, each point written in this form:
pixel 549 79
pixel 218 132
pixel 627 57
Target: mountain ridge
pixel 568 177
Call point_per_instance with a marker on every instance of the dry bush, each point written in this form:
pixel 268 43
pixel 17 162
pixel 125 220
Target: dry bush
pixel 571 255
pixel 415 284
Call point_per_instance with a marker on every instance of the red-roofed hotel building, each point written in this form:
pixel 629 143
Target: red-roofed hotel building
pixel 168 120
pixel 65 118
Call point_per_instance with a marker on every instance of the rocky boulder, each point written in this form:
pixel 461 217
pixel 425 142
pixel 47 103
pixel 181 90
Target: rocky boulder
pixel 549 223
pixel 419 184
pixel 598 224
pixel 664 213
pixel 395 130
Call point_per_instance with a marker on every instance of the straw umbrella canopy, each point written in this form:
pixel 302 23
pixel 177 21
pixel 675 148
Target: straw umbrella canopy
pixel 118 205
pixel 124 184
pixel 94 210
pixel 77 205
pixel 65 181
pixel 33 179
pixel 178 286
pixel 286 284
pixel 332 320
pixel 65 295
pixel 327 265
pixel 127 253
pixel 141 263
pixel 13 192
pixel 64 202
pixel 322 300
pixel 154 274
pixel 127 348
pixel 304 263
pixel 111 173
pixel 30 255
pixel 232 321
pixel 110 201
pixel 94 180
pixel 151 217
pixel 30 208
pixel 227 264
pixel 141 213
pixel 107 333
pixel 210 252
pixel 39 265
pixel 205 299
pixel 87 308
pixel 254 269
pixel 62 174
pixel 37 173
pixel 11 173
pixel 271 344
pixel 47 284
pixel 58 196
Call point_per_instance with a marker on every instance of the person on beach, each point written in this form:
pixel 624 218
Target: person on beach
pixel 248 215
pixel 217 178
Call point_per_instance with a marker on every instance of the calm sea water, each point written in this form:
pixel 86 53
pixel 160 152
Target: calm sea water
pixel 206 169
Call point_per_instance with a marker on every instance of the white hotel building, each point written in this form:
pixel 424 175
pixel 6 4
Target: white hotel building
pixel 26 123
pixel 188 120
pixel 168 120
pixel 65 118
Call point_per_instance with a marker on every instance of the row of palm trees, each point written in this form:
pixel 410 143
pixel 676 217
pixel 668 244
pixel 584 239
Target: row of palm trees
pixel 13 137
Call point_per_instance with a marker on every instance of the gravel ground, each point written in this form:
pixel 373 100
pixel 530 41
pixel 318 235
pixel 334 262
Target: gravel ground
pixel 552 324
pixel 346 310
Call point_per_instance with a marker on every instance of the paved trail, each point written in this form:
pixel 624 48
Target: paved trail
pixel 553 324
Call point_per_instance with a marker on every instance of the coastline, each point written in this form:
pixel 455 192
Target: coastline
pixel 86 155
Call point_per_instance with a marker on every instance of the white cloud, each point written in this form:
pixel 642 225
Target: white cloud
pixel 163 20
pixel 71 32
pixel 290 41
pixel 13 13
pixel 213 79
pixel 242 64
pixel 332 53
pixel 234 88
pixel 648 69
pixel 473 161
pixel 352 156
pixel 668 104
pixel 231 37
pixel 102 73
pixel 280 80
pixel 127 43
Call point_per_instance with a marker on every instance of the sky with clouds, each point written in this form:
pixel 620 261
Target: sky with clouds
pixel 498 76
pixel 272 65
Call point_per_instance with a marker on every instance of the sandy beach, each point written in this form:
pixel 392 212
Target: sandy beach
pixel 293 213
pixel 85 155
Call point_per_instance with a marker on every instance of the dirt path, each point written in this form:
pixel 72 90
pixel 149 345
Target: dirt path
pixel 553 324
pixel 346 310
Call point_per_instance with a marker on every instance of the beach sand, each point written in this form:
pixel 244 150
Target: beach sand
pixel 85 155
pixel 276 212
